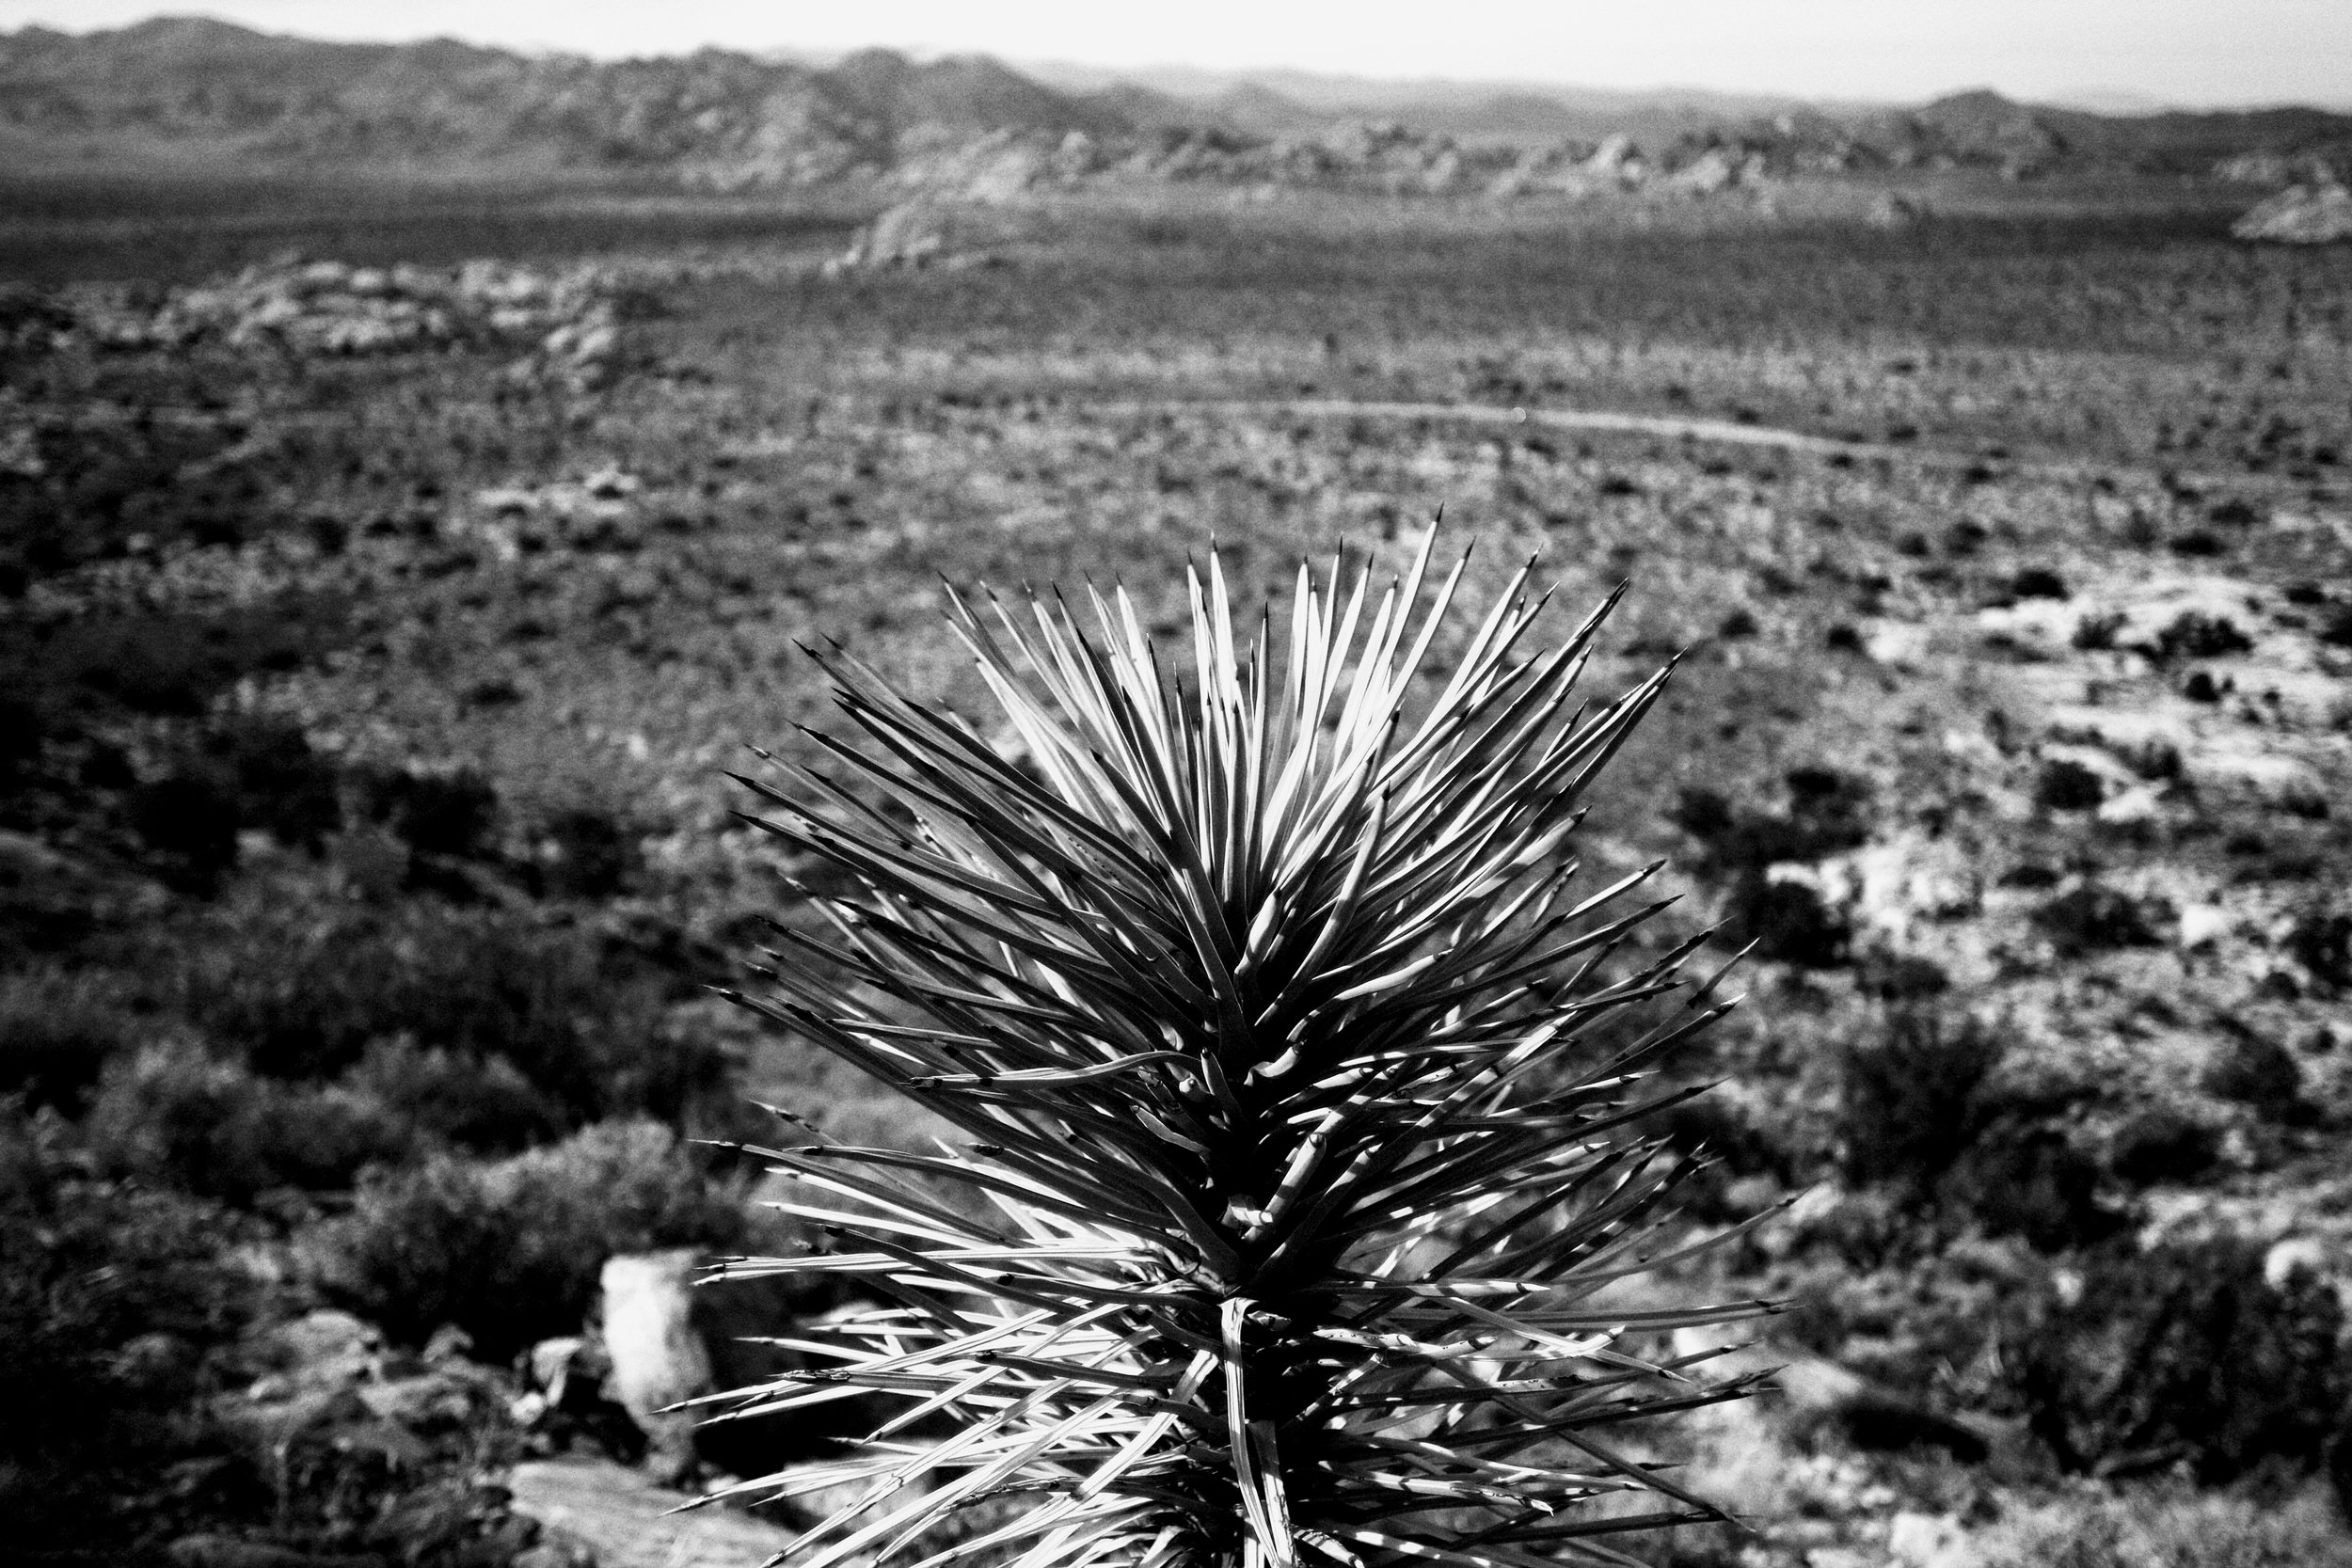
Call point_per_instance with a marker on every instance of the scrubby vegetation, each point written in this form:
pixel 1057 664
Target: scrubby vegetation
pixel 363 854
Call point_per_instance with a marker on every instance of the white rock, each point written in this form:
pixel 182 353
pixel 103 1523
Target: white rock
pixel 1929 1540
pixel 2203 925
pixel 658 1359
pixel 2138 803
pixel 628 1522
pixel 1896 643
pixel 2314 1253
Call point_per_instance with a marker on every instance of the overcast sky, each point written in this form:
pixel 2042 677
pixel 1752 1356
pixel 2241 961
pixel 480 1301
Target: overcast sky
pixel 2190 51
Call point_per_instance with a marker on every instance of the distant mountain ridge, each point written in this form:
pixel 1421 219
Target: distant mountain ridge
pixel 180 83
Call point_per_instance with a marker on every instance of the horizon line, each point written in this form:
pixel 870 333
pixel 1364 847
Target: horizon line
pixel 2079 99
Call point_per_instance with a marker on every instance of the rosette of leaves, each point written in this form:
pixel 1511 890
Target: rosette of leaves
pixel 1301 1074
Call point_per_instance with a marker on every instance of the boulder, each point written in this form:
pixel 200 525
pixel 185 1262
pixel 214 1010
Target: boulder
pixel 1893 210
pixel 1916 1540
pixel 1715 169
pixel 626 1521
pixel 912 234
pixel 2300 214
pixel 1617 159
pixel 658 1359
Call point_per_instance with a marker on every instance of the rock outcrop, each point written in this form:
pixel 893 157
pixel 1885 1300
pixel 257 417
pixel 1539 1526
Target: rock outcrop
pixel 566 325
pixel 2300 214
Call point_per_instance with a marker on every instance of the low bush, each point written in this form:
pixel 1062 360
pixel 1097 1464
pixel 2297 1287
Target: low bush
pixel 110 1294
pixel 283 786
pixel 2020 1177
pixel 1907 1098
pixel 2065 785
pixel 2164 1144
pixel 510 1251
pixel 2254 1069
pixel 2194 635
pixel 1788 921
pixel 584 853
pixel 435 813
pixel 1828 811
pixel 1899 977
pixel 57 1031
pixel 2185 1355
pixel 304 996
pixel 178 1115
pixel 2095 918
pixel 2097 629
pixel 481 1104
pixel 188 821
pixel 2321 940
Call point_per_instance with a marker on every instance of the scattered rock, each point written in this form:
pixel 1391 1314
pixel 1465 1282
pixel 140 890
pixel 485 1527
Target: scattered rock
pixel 568 323
pixel 1917 1539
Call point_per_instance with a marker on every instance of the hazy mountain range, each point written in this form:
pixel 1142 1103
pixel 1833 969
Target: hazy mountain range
pixel 183 85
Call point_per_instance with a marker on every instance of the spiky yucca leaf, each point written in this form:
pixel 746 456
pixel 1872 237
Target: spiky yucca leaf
pixel 1298 1077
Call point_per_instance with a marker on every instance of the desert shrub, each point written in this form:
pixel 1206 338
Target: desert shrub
pixel 163 663
pixel 510 1251
pixel 1788 921
pixel 1828 811
pixel 2321 940
pixel 2164 1144
pixel 2020 1177
pixel 1899 977
pixel 2193 634
pixel 2186 1354
pixel 2254 1069
pixel 110 1294
pixel 2065 785
pixel 283 786
pixel 2200 687
pixel 482 1103
pixel 584 853
pixel 2095 918
pixel 57 1031
pixel 2038 583
pixel 1907 1098
pixel 22 731
pixel 435 813
pixel 187 822
pixel 176 1114
pixel 303 996
pixel 2097 629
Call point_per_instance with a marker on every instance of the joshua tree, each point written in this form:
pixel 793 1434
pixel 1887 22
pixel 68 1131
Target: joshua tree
pixel 1302 1080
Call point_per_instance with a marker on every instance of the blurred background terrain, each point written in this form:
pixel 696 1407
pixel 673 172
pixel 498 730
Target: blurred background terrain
pixel 419 462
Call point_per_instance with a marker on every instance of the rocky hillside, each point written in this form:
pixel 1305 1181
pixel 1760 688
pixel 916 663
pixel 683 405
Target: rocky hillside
pixel 183 84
